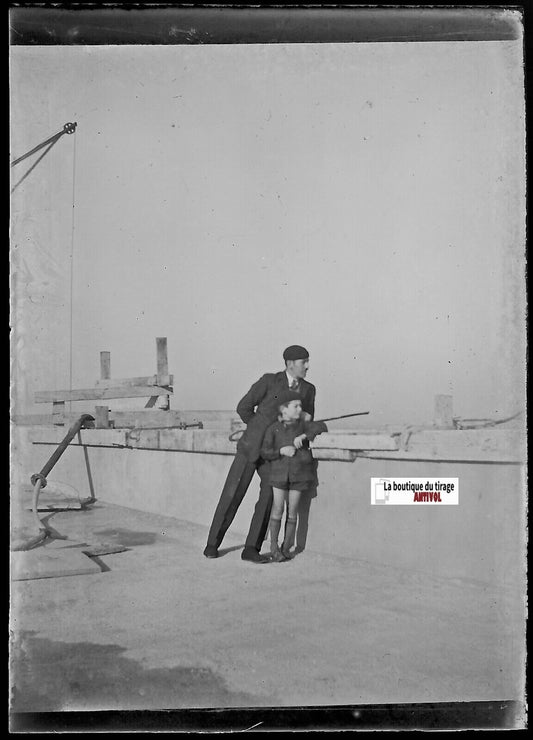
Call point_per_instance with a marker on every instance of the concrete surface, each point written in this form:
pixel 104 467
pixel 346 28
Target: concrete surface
pixel 162 627
pixel 55 559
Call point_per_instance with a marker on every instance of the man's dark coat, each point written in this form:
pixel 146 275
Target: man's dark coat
pixel 259 409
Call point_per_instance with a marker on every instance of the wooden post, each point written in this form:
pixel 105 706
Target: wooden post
pixel 443 418
pixel 162 367
pixel 162 357
pixel 58 412
pixel 105 365
pixel 101 417
pixel 102 412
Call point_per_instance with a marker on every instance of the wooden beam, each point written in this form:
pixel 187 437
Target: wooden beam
pixel 58 410
pixel 95 394
pixel 162 367
pixel 487 446
pixel 162 380
pixel 443 414
pixel 48 419
pixel 162 356
pixel 101 416
pixel 347 441
pixel 105 365
pixel 145 418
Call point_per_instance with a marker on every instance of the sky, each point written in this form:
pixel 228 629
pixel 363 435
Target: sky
pixel 364 200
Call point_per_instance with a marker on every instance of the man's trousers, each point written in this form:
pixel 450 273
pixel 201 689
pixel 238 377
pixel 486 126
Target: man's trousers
pixel 237 483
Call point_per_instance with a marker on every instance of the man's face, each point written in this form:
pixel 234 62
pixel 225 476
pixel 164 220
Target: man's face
pixel 298 368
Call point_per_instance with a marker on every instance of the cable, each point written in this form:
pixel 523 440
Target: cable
pixel 68 128
pixel 52 140
pixel 72 264
pixel 34 165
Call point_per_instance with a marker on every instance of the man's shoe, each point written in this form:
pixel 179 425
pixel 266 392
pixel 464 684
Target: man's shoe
pixel 211 551
pixel 251 554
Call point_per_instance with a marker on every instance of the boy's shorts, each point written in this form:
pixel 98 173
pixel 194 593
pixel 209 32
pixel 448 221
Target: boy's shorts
pixel 291 485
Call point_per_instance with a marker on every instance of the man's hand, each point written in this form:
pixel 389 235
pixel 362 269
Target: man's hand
pixel 305 416
pixel 299 440
pixel 287 451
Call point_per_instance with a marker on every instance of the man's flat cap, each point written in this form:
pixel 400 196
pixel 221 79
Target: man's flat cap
pixel 295 352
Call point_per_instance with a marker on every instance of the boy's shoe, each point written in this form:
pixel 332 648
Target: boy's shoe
pixel 278 557
pixel 211 551
pixel 287 554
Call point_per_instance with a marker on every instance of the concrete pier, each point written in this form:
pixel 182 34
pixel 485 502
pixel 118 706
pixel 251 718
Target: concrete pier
pixel 381 605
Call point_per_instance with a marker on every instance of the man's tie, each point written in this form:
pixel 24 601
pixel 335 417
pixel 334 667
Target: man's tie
pixel 294 385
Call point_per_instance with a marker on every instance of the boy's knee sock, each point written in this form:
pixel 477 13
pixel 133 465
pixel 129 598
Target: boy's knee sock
pixel 275 526
pixel 290 531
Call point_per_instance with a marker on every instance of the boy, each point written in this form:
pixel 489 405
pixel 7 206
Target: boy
pixel 291 467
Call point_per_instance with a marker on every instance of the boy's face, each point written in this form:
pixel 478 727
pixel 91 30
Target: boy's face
pixel 291 411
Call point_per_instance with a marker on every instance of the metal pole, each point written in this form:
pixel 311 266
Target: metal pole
pixel 74 429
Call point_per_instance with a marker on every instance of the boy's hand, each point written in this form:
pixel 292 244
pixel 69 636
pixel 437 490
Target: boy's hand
pixel 299 440
pixel 287 451
pixel 305 416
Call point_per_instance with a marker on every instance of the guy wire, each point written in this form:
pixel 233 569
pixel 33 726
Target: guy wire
pixel 72 263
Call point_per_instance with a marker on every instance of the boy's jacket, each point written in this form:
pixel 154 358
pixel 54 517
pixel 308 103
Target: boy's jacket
pixel 259 409
pixel 301 466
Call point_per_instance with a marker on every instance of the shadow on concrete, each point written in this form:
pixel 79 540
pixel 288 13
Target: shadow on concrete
pixel 50 676
pixel 302 526
pixel 128 537
pixel 227 550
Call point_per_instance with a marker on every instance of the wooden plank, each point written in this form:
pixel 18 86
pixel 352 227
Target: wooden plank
pixel 162 380
pixel 103 437
pixel 224 416
pixel 96 437
pixel 332 455
pixel 151 402
pixel 461 456
pixel 355 442
pixel 145 418
pixel 105 365
pixel 467 444
pixel 95 394
pixel 30 420
pixel 141 418
pixel 49 419
pixel 223 420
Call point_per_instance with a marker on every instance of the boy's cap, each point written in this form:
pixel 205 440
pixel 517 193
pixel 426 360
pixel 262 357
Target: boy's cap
pixel 295 352
pixel 286 397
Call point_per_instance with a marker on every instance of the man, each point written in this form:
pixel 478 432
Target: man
pixel 258 409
